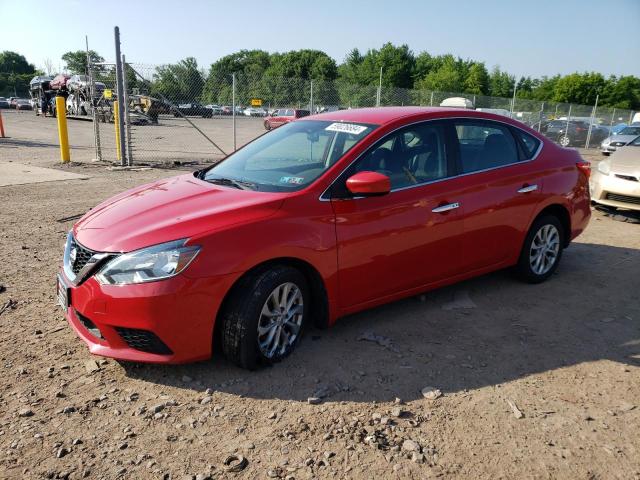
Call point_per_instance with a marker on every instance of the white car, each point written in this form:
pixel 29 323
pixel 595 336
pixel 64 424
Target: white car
pixel 255 112
pixel 620 139
pixel 616 180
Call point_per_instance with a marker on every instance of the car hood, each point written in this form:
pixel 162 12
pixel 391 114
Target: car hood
pixel 169 209
pixel 620 138
pixel 626 160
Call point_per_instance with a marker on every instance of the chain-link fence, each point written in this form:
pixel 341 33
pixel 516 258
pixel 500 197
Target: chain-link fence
pixel 177 114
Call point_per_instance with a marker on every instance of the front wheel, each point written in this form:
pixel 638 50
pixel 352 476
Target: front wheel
pixel 267 126
pixel 264 317
pixel 564 141
pixel 542 250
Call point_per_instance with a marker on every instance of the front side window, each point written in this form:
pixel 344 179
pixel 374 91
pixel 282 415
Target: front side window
pixel 410 156
pixel 290 157
pixel 484 145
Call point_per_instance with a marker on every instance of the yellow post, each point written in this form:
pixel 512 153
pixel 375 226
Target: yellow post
pixel 63 134
pixel 116 120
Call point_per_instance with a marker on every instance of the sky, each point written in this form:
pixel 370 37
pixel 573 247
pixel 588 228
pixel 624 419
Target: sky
pixel 535 37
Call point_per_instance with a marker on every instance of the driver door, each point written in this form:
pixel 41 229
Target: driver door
pixel 409 238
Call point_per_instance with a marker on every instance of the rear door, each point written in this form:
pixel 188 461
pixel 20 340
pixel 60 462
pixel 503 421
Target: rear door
pixel 503 188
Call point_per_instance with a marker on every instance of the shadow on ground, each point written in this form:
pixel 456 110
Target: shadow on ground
pixel 514 330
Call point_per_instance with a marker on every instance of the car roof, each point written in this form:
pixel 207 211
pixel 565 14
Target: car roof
pixel 384 115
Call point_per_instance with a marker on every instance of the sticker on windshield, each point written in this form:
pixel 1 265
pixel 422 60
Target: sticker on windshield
pixel 346 127
pixel 294 180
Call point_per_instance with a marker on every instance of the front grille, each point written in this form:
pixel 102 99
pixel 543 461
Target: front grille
pixel 82 256
pixel 143 340
pixel 631 178
pixel 89 325
pixel 623 198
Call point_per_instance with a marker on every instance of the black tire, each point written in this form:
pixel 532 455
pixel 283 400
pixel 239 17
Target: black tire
pixel 241 314
pixel 524 269
pixel 267 126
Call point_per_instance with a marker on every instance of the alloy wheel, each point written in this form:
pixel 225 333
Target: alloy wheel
pixel 544 249
pixel 565 141
pixel 280 320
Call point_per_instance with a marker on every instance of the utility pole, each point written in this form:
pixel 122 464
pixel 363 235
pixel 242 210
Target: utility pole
pixel 233 100
pixel 120 95
pixel 593 114
pixel 379 96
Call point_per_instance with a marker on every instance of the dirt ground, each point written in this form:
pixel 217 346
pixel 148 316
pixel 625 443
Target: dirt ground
pixel 538 382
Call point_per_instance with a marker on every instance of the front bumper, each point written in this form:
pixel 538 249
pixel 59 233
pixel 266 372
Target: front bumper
pixel 180 312
pixel 614 191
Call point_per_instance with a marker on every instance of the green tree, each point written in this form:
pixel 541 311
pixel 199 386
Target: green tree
pixel 477 79
pixel 579 88
pixel 501 83
pixel 249 65
pixel 445 78
pixel 180 82
pixel 622 92
pixel 12 62
pixel 76 62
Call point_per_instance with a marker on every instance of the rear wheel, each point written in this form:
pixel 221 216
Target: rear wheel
pixel 564 141
pixel 264 317
pixel 542 250
pixel 267 126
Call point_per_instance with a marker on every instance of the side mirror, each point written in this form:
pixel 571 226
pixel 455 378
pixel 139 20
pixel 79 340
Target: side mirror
pixel 369 184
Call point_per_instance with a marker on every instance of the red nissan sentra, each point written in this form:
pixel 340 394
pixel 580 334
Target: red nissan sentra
pixel 323 217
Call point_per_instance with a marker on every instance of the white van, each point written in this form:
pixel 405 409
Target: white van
pixel 457 102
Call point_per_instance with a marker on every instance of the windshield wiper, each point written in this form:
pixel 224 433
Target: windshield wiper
pixel 229 182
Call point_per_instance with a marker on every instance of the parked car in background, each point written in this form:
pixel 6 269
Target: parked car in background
pixel 193 110
pixel 575 134
pixel 4 103
pixel 23 104
pixel 227 110
pixel 254 112
pixel 215 109
pixel 282 116
pixel 616 180
pixel 247 254
pixel 12 102
pixel 620 139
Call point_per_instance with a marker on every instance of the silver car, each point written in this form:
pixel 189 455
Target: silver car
pixel 622 138
pixel 616 180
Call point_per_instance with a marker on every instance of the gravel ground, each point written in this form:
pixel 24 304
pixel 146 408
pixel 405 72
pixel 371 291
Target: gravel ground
pixel 522 381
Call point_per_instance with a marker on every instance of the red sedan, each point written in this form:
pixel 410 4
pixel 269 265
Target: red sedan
pixel 323 217
pixel 282 116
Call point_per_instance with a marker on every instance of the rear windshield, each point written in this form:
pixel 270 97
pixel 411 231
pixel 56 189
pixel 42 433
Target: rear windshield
pixel 290 157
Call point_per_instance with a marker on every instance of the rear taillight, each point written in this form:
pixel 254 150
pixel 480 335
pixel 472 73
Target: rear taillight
pixel 584 167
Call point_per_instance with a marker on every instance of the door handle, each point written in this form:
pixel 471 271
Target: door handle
pixel 528 188
pixel 446 208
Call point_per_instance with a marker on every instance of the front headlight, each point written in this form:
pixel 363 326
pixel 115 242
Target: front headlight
pixel 148 264
pixel 604 167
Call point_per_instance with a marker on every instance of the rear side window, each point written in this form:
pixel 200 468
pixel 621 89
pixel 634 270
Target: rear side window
pixel 529 143
pixel 484 145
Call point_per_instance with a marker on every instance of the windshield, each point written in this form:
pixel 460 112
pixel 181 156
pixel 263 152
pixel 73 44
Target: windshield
pixel 290 157
pixel 630 131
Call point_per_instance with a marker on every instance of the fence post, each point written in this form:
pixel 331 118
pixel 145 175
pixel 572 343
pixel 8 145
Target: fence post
pixel 233 106
pixel 127 120
pixel 593 114
pixel 116 125
pixel 540 117
pixel 630 117
pixel 63 134
pixel 566 130
pixel 613 116
pixel 1 126
pixel 311 99
pixel 379 96
pixel 92 102
pixel 431 101
pixel 119 117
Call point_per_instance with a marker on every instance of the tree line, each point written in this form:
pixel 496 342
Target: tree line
pixel 284 78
